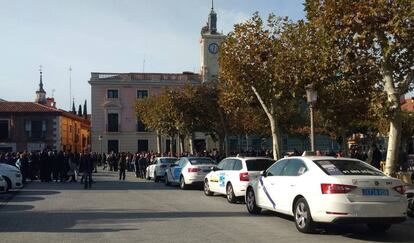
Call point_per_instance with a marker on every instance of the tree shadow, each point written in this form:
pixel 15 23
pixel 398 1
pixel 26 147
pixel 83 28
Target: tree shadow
pixel 68 221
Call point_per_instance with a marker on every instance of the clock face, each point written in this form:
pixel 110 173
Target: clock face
pixel 213 48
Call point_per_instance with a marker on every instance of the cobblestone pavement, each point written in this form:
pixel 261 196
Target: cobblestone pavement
pixel 137 210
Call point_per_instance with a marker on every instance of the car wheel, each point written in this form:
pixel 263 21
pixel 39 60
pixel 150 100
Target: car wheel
pixel 410 211
pixel 207 191
pixel 303 217
pixel 379 227
pixel 251 202
pixel 183 186
pixel 9 184
pixel 231 198
pixel 167 182
pixel 156 178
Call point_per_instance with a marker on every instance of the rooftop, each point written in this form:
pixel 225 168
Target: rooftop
pixel 13 107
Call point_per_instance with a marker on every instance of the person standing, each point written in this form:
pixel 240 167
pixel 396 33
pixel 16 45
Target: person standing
pixel 87 167
pixel 142 166
pixel 122 166
pixel 376 157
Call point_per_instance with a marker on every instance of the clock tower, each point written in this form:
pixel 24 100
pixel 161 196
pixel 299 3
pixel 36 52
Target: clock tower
pixel 210 48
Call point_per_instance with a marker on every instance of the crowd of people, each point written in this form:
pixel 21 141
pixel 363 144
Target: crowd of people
pixel 57 166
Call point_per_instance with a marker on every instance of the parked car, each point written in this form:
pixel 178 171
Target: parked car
pixel 11 175
pixel 232 175
pixel 3 185
pixel 156 171
pixel 328 190
pixel 188 171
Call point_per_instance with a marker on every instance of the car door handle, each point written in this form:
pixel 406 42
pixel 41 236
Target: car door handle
pixel 292 185
pixel 272 184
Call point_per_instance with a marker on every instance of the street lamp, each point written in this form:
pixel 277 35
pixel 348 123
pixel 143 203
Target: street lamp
pixel 311 97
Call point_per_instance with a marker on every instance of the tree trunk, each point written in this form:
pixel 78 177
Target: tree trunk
pixel 345 147
pixel 273 125
pixel 171 146
pixel 221 139
pixel 191 143
pixel 159 143
pixel 395 123
pixel 182 143
pixel 393 145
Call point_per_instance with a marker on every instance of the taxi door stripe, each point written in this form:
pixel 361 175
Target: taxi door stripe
pixel 267 193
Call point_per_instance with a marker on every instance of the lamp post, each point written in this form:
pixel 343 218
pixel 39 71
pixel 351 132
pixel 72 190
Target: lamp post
pixel 100 140
pixel 311 97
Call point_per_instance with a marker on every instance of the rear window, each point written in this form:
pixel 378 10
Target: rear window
pixel 258 164
pixel 168 161
pixel 201 161
pixel 347 167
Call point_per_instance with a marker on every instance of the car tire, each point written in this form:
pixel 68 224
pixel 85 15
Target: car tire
pixel 8 182
pixel 303 218
pixel 183 186
pixel 207 191
pixel 251 202
pixel 231 198
pixel 166 181
pixel 378 227
pixel 410 211
pixel 156 178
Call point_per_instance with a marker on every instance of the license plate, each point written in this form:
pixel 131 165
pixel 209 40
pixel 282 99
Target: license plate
pixel 375 192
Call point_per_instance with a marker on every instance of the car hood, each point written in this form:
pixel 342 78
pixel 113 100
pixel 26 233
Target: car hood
pixel 8 167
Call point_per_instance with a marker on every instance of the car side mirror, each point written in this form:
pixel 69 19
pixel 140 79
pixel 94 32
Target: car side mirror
pixel 213 168
pixel 263 173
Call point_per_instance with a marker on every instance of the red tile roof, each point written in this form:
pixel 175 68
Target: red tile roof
pixel 17 107
pixel 408 105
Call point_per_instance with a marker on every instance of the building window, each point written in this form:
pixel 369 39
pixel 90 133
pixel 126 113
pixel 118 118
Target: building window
pixel 143 145
pixel 142 94
pixel 4 129
pixel 112 94
pixel 38 129
pixel 113 146
pixel 112 122
pixel 141 126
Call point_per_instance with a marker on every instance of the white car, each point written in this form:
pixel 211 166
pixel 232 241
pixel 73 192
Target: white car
pixel 188 171
pixel 328 190
pixel 3 185
pixel 11 175
pixel 157 170
pixel 231 176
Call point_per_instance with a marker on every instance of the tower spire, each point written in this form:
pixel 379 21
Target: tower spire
pixel 212 20
pixel 41 79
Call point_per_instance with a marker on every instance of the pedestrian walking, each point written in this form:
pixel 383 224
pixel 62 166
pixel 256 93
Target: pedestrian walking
pixel 122 166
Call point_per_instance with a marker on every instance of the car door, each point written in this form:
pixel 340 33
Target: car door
pixel 177 169
pixel 288 182
pixel 224 176
pixel 214 176
pixel 269 185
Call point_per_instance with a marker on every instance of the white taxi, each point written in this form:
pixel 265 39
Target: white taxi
pixel 188 171
pixel 231 176
pixel 157 170
pixel 328 190
pixel 3 185
pixel 12 176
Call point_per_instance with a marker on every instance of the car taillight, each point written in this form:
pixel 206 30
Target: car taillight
pixel 336 188
pixel 399 189
pixel 244 176
pixel 193 169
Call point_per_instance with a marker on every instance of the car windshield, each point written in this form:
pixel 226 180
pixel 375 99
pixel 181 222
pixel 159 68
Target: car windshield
pixel 168 160
pixel 347 167
pixel 201 161
pixel 258 164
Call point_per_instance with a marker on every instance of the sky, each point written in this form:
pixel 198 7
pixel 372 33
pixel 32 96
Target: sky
pixel 108 36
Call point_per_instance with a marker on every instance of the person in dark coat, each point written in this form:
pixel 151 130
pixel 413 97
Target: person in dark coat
pixel 376 157
pixel 122 166
pixel 87 167
pixel 142 162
